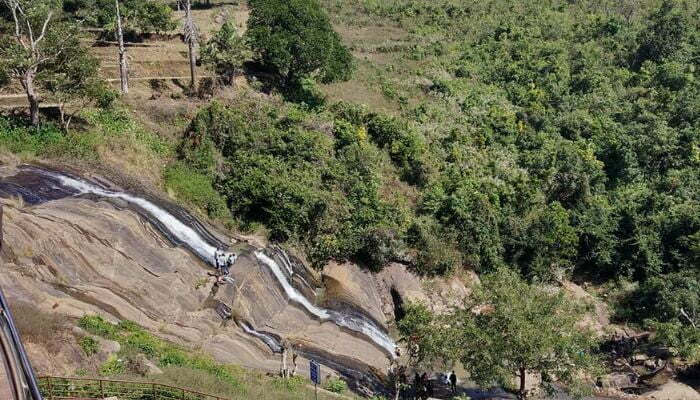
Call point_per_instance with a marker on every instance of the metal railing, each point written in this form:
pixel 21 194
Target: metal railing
pixel 58 388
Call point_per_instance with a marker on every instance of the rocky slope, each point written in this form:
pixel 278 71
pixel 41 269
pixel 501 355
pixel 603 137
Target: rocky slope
pixel 77 255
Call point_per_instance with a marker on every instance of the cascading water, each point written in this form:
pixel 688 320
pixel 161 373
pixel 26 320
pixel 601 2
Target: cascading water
pixel 202 248
pixel 354 323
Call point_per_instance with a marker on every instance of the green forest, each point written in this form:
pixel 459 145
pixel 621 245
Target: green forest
pixel 557 139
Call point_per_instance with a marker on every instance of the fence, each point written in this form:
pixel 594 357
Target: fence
pixel 58 388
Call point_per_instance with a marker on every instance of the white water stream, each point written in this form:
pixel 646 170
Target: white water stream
pixel 206 251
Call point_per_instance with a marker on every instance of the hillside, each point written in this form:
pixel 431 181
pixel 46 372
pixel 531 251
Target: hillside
pixel 556 139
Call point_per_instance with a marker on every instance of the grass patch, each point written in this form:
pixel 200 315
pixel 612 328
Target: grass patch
pixel 195 188
pixel 33 325
pixel 46 141
pixel 185 368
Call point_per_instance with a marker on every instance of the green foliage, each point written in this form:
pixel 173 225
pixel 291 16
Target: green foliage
pixel 134 340
pixel 405 146
pixel 138 16
pixel 291 384
pixel 226 51
pixel 507 328
pixel 194 188
pixel 97 325
pixel 89 345
pixel 47 139
pixel 296 182
pixel 335 385
pixel 685 339
pixel 295 39
pixel 112 367
pixel 666 298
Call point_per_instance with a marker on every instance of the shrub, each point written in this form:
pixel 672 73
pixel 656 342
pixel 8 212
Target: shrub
pixel 335 385
pixel 113 366
pixel 97 325
pixel 195 188
pixel 291 384
pixel 89 345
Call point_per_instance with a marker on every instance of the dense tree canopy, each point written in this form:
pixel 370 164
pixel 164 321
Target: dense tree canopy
pixel 294 38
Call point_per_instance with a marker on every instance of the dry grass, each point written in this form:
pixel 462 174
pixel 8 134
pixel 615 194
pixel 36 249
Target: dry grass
pixel 39 327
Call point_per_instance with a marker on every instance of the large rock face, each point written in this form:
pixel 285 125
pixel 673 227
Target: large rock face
pixel 83 255
pixel 78 256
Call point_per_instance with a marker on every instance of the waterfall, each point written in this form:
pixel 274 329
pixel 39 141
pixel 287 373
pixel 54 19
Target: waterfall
pixel 192 239
pixel 354 323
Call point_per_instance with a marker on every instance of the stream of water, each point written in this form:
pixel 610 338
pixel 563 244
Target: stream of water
pixel 181 232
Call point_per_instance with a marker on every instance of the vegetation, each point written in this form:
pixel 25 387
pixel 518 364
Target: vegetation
pixel 507 329
pixel 295 39
pixel 226 52
pixel 556 139
pixel 89 345
pixel 42 51
pixel 296 180
pixel 335 385
pixel 186 367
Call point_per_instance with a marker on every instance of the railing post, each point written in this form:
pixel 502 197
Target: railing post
pixel 50 388
pixel 102 391
pixel 153 390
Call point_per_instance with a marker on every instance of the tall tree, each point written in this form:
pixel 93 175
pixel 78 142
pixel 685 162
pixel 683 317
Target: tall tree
pixel 507 329
pixel 123 69
pixel 226 51
pixel 295 39
pixel 123 18
pixel 31 45
pixel 73 80
pixel 191 34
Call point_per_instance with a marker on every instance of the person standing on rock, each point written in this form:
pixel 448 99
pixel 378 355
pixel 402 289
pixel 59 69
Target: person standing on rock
pixel 453 382
pixel 218 259
pixel 230 259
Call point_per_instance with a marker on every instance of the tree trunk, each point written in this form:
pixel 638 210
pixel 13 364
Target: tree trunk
pixel 190 45
pixel 123 71
pixel 522 394
pixel 284 360
pixel 28 83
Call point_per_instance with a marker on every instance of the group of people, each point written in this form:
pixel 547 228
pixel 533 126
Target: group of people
pixel 422 386
pixel 223 262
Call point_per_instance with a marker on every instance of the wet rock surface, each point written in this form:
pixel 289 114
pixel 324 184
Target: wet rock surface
pixel 90 255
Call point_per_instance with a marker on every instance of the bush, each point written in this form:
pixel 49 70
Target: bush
pixel 112 367
pixel 684 338
pixel 297 182
pixel 195 188
pixel 97 325
pixel 335 385
pixel 89 345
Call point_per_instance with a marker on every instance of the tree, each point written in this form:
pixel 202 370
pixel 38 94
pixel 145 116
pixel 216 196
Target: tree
pixel 191 34
pixel 124 17
pixel 72 80
pixel 665 36
pixel 294 39
pixel 506 329
pixel 36 40
pixel 226 52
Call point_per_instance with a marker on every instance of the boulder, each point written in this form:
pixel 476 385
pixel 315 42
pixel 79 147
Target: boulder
pixel 617 381
pixel 144 366
pixel 673 391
